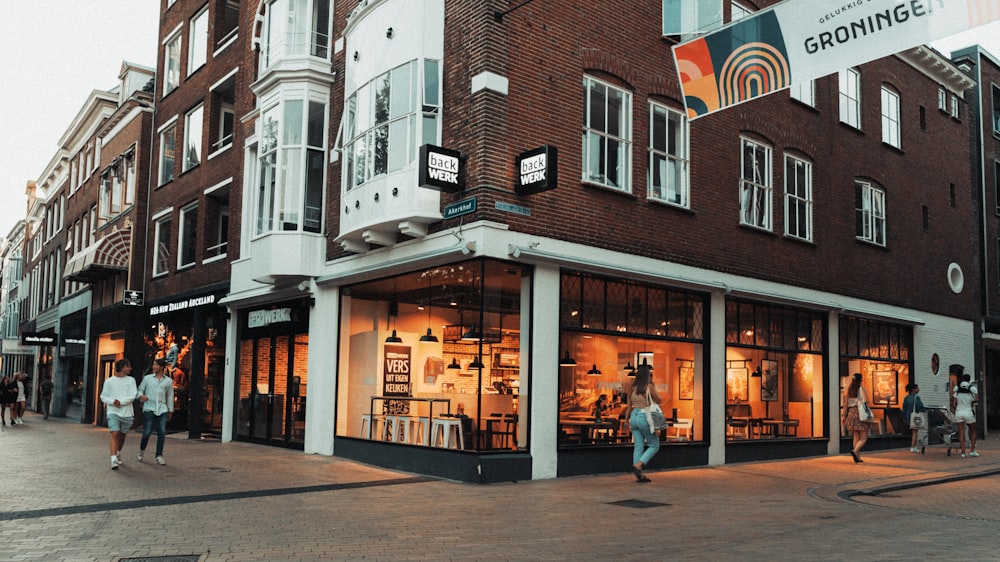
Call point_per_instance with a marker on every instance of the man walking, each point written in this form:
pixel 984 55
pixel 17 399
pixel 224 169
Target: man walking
pixel 156 391
pixel 118 394
pixel 46 389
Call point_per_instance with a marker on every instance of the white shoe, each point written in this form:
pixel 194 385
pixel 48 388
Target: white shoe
pixel 973 454
pixel 963 455
pixel 914 450
pixel 114 463
pixel 138 456
pixel 159 460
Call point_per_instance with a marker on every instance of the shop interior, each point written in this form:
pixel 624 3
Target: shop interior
pixel 433 358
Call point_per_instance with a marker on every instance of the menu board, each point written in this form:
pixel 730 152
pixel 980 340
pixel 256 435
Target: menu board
pixel 396 382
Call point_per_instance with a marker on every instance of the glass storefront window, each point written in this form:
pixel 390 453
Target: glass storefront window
pixel 881 353
pixel 434 358
pixel 774 371
pixel 609 327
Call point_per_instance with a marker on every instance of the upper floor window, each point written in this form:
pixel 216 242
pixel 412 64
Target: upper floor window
pixel 223 119
pixel 955 107
pixel 740 11
pixel 117 188
pixel 381 121
pixel 161 246
pixel 172 63
pixel 168 146
pixel 230 22
pixel 798 198
pixel 668 155
pixel 198 41
pixel 217 220
pixel 295 28
pixel 187 237
pixel 755 184
pixel 607 136
pixel 804 92
pixel 890 117
pixel 683 17
pixel 193 126
pixel 995 101
pixel 942 99
pixel 850 97
pixel 869 205
pixel 290 166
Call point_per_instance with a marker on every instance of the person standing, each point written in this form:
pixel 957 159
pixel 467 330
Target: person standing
pixel 963 398
pixel 22 400
pixel 156 391
pixel 118 394
pixel 46 392
pixel 852 421
pixel 913 404
pixel 641 394
pixel 8 399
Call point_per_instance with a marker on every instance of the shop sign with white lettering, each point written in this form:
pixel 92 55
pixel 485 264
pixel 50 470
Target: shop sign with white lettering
pixel 536 170
pixel 441 169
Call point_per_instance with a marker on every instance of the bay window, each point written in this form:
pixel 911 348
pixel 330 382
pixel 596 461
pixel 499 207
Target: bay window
pixel 295 28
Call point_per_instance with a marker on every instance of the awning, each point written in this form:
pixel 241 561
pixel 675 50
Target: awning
pixel 102 259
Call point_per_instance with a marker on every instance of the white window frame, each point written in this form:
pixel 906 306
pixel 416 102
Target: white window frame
pixel 187 236
pixel 217 203
pixel 294 29
pixel 850 97
pixel 168 156
pixel 804 92
pixel 870 216
pixel 755 184
pixel 198 41
pixel 891 129
pixel 956 111
pixel 194 126
pixel 942 99
pixel 161 245
pixel 668 154
pixel 172 61
pixel 600 143
pixel 798 198
pixel 687 18
pixel 739 11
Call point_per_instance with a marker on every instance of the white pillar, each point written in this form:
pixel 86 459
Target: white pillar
pixel 544 389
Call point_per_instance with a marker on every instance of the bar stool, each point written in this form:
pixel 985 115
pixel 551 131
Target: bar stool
pixel 442 435
pixel 419 430
pixel 373 422
pixel 398 428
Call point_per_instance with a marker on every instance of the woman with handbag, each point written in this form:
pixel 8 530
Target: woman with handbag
pixel 853 420
pixel 912 404
pixel 641 394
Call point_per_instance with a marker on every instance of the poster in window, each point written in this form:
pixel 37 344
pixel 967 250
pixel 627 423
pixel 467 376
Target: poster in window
pixel 685 383
pixel 396 381
pixel 737 385
pixel 884 387
pixel 769 381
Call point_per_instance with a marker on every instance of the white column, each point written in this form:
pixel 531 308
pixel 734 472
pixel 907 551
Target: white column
pixel 323 354
pixel 833 385
pixel 544 389
pixel 716 373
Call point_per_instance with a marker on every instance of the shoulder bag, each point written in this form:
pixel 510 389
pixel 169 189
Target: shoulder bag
pixel 864 412
pixel 918 420
pixel 654 415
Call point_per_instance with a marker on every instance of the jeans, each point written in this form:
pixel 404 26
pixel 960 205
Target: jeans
pixel 647 443
pixel 46 406
pixel 147 430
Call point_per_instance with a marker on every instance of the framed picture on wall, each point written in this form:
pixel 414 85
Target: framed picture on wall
pixel 685 383
pixel 769 380
pixel 884 387
pixel 737 385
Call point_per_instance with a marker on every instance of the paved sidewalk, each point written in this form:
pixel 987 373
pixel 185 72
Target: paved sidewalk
pixel 213 501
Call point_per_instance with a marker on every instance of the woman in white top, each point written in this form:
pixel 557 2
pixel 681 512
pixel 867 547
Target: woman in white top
pixel 156 391
pixel 647 442
pixel 963 398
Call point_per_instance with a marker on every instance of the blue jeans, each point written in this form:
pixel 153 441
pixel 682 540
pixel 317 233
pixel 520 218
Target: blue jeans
pixel 647 443
pixel 147 430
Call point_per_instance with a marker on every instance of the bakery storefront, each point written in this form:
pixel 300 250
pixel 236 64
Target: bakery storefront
pixel 433 371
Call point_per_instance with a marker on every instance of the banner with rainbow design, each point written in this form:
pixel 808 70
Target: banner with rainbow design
pixel 801 40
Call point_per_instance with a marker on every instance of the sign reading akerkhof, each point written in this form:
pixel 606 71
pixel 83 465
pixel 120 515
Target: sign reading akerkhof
pixel 441 169
pixel 536 170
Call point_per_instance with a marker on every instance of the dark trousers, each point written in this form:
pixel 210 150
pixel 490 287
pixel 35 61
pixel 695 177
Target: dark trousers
pixel 161 430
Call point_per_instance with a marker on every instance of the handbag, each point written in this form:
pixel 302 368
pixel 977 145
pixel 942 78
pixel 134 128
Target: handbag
pixel 654 415
pixel 918 420
pixel 864 412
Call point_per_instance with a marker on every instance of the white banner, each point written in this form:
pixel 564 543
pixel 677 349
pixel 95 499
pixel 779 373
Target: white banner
pixel 801 40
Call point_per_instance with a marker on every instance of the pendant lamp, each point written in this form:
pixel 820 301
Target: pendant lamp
pixel 428 337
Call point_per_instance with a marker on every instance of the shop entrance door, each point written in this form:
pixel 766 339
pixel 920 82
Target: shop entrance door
pixel 272 409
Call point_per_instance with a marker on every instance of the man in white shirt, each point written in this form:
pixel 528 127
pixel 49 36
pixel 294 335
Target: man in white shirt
pixel 118 394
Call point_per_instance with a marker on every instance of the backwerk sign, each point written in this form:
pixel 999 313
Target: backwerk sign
pixel 536 170
pixel 800 40
pixel 441 169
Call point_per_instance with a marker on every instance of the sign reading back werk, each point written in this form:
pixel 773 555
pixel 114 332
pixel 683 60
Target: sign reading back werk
pixel 536 170
pixel 441 169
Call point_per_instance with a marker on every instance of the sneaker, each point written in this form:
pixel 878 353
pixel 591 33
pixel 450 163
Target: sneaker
pixel 138 456
pixel 159 460
pixel 963 455
pixel 973 454
pixel 114 463
pixel 914 450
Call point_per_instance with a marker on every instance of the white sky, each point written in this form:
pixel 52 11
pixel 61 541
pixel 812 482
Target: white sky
pixel 53 53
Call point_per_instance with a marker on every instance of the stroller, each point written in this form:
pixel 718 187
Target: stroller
pixel 938 430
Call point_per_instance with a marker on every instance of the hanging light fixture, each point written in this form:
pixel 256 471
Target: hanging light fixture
pixel 428 337
pixel 478 363
pixel 472 334
pixel 393 312
pixel 594 371
pixel 454 364
pixel 567 361
pixel 629 369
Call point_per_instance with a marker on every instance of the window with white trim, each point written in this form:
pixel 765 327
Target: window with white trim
pixel 955 107
pixel 381 121
pixel 168 144
pixel 804 92
pixel 198 43
pixel 869 205
pixel 668 155
pixel 295 28
pixel 890 117
pixel 798 198
pixel 193 125
pixel 683 17
pixel 850 97
pixel 187 237
pixel 172 63
pixel 290 169
pixel 755 184
pixel 117 187
pixel 161 246
pixel 216 222
pixel 942 99
pixel 607 136
pixel 995 104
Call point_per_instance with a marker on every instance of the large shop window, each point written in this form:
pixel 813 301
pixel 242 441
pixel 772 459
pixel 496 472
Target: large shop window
pixel 434 358
pixel 607 328
pixel 774 371
pixel 881 352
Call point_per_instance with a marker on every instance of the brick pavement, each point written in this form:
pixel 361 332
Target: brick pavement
pixel 237 501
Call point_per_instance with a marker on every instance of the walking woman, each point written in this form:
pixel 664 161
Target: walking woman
pixel 647 443
pixel 8 399
pixel 850 419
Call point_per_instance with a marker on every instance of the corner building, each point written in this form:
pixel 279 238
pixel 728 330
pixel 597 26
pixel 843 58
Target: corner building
pixel 463 223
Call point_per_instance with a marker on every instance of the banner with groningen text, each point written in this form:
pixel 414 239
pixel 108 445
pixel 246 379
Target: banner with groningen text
pixel 801 40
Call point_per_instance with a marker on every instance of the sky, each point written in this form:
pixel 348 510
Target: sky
pixel 53 53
